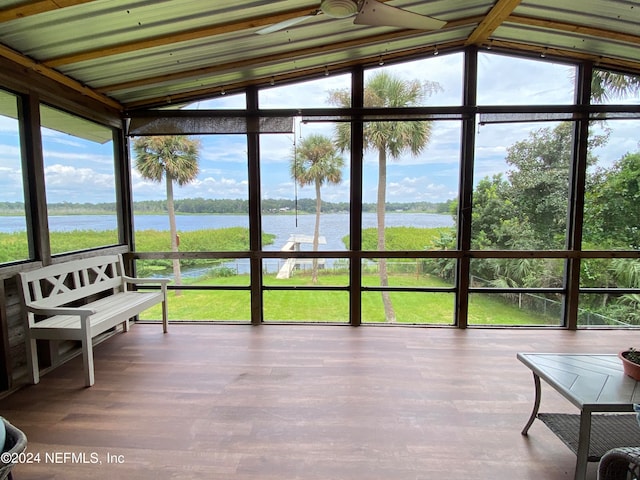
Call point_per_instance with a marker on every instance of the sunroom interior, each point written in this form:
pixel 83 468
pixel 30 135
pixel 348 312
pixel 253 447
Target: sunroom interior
pixel 485 184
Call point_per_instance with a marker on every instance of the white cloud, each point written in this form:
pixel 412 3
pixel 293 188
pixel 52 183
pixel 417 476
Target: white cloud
pixel 59 138
pixel 299 96
pixel 624 138
pixel 70 184
pixel 80 158
pixel 11 185
pixel 417 189
pixel 282 190
pixel 216 188
pixel 223 148
pixel 446 70
pixel 504 80
pixel 223 102
pixel 10 156
pixel 208 187
pixel 9 125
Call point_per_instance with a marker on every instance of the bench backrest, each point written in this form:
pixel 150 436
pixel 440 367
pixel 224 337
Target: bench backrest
pixel 67 282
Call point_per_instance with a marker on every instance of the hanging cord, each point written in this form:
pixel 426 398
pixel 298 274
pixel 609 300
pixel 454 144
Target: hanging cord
pixel 295 170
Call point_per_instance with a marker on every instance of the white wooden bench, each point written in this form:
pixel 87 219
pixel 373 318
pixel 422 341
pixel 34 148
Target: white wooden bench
pixel 81 299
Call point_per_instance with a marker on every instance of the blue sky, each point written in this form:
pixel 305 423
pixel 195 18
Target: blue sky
pixel 82 171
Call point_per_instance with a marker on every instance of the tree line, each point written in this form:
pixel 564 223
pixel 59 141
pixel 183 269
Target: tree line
pixel 226 206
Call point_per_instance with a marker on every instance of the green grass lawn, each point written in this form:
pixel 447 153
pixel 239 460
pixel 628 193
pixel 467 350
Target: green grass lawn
pixel 333 306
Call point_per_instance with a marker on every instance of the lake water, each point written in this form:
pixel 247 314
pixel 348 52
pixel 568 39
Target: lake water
pixel 333 226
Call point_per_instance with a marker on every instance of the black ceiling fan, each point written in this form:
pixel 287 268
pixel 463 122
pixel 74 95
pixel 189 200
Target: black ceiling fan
pixel 366 12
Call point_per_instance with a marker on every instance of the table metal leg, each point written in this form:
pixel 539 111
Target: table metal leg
pixel 584 439
pixel 536 404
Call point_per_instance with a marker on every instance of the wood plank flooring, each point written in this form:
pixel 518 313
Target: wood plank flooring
pixel 301 402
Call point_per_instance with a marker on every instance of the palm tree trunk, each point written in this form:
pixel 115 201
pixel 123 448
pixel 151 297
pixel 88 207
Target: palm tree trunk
pixel 316 235
pixel 173 231
pixel 389 312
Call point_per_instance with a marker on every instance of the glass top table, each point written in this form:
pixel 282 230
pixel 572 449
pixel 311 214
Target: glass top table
pixel 594 384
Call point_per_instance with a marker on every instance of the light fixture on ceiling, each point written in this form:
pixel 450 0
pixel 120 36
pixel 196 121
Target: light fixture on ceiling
pixel 435 51
pixel 222 92
pixel 326 71
pixel 544 53
pixel 272 82
pixel 380 61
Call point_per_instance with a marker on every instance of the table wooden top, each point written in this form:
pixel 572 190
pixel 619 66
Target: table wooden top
pixel 591 382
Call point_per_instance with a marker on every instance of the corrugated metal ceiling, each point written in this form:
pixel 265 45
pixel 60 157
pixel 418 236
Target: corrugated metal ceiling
pixel 147 53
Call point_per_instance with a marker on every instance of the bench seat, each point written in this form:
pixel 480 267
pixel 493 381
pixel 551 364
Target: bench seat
pixel 108 312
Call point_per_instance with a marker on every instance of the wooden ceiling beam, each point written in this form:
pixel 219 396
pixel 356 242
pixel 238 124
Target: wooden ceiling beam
pixel 568 55
pixel 27 9
pixel 578 29
pixel 57 77
pixel 498 14
pixel 185 36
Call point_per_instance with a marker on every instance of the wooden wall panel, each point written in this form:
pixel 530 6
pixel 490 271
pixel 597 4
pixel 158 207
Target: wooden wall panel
pixel 13 348
pixel 5 372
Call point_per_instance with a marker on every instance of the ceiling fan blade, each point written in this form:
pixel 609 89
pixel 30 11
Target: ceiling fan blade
pixel 380 14
pixel 284 24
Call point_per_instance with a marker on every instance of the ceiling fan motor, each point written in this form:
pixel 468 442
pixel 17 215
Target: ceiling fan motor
pixel 339 8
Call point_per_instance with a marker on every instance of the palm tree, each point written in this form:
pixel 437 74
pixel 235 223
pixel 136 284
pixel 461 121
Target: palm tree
pixel 607 85
pixel 316 162
pixel 389 139
pixel 176 159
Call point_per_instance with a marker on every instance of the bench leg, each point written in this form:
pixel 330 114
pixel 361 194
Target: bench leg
pixel 54 352
pixel 32 360
pixel 165 320
pixel 87 360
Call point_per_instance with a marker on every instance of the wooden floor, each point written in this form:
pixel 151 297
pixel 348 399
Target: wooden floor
pixel 301 402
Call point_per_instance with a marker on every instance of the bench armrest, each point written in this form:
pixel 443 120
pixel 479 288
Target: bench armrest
pixel 83 312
